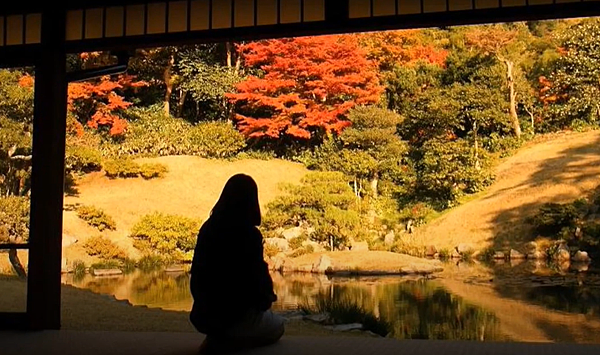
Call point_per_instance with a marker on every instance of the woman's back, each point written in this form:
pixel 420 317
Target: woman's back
pixel 229 275
pixel 230 284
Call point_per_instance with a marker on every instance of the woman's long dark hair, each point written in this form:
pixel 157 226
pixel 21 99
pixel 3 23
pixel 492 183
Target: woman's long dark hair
pixel 238 201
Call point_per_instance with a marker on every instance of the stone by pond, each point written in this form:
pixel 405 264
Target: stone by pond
pixel 520 303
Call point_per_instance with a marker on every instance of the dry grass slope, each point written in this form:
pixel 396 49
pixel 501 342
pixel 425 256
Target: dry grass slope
pixel 560 169
pixel 190 188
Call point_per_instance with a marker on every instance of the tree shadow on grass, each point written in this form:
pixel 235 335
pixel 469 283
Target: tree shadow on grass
pixel 576 169
pixel 572 174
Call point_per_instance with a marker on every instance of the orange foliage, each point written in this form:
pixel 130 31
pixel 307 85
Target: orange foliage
pixel 100 97
pixel 401 48
pixel 308 86
pixel 26 81
pixel 103 102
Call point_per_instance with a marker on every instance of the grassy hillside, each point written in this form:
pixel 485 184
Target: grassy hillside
pixel 190 188
pixel 560 169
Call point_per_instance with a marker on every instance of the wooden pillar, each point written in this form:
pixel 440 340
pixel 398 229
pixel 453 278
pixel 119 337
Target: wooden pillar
pixel 47 179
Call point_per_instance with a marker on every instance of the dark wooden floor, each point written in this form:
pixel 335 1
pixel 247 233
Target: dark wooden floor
pixel 134 343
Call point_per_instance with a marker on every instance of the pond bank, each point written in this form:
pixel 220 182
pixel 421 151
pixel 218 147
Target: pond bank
pixel 357 263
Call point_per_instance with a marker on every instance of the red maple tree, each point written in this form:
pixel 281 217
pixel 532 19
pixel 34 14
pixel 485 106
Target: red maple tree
pixel 405 47
pixel 98 103
pixel 306 88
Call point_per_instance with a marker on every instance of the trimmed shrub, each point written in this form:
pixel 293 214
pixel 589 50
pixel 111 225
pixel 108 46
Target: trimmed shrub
pixel 270 250
pixel 302 251
pixel 14 218
pixel 82 159
pixel 296 243
pixel 408 248
pixel 121 168
pixel 553 217
pixel 127 168
pixel 216 140
pixel 153 134
pixel 419 213
pixel 96 218
pixel 449 170
pixel 166 235
pixel 324 202
pixel 104 248
pixel 153 170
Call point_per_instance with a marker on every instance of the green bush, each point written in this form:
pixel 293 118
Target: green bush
pixel 419 213
pixel 14 218
pixel 166 235
pixel 296 243
pixel 444 253
pixel 121 168
pixel 448 170
pixel 270 250
pixel 127 168
pixel 323 201
pixel 412 249
pixel 497 143
pixel 152 134
pixel 553 217
pixel 151 171
pixel 216 140
pixel 104 248
pixel 302 251
pixel 256 154
pixel 96 218
pixel 82 159
pixel 128 265
pixel 15 139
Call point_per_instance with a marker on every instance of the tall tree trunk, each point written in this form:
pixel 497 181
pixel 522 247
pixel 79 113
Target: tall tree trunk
pixel 229 47
pixel 374 184
pixel 238 64
pixel 514 118
pixel 13 257
pixel 532 117
pixel 477 163
pixel 169 85
pixel 16 263
pixel 182 97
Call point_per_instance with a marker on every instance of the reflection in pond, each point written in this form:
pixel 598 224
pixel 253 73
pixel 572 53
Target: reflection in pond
pixel 418 309
pixel 579 300
pixel 509 309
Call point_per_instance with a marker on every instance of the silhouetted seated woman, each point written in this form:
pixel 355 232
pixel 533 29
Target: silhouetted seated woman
pixel 230 283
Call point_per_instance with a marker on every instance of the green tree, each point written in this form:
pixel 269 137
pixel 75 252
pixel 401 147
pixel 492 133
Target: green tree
pixel 16 113
pixel 325 202
pixel 367 151
pixel 195 76
pixel 205 80
pixel 508 45
pixel 573 88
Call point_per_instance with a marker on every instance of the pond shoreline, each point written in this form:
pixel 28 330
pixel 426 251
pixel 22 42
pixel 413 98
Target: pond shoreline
pixel 363 263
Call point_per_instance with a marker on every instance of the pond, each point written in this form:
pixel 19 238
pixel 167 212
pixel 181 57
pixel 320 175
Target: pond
pixel 517 303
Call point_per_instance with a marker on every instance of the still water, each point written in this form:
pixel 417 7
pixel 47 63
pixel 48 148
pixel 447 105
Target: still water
pixel 501 303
